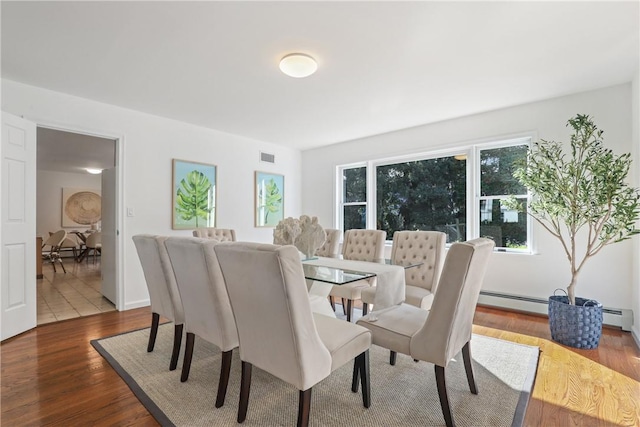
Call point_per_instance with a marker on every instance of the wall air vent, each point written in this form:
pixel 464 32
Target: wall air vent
pixel 266 157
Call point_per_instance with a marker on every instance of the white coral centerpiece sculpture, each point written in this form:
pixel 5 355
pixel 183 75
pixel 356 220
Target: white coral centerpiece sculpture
pixel 304 233
pixel 287 231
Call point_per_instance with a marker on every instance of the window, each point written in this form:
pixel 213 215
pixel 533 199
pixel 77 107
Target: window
pixel 427 194
pixel 354 198
pixel 459 194
pixel 506 227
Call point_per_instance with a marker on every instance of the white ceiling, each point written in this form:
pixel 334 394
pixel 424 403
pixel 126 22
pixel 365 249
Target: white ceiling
pixel 60 151
pixel 383 66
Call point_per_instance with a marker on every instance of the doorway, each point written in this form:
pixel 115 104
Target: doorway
pixel 69 197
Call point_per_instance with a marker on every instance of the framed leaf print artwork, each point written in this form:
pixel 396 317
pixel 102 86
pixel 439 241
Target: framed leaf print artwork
pixel 194 195
pixel 269 209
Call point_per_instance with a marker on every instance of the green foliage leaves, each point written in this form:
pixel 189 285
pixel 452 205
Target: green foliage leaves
pixel 270 199
pixel 422 195
pixel 586 189
pixel 192 197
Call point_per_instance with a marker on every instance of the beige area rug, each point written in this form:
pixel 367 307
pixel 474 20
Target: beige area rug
pixel 401 395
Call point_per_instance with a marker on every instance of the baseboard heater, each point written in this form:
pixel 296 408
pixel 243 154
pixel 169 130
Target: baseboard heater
pixel 611 316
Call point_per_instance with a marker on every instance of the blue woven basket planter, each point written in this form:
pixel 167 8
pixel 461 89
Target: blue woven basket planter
pixel 579 325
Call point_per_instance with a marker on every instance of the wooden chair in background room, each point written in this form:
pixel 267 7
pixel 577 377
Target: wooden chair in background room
pixel 358 245
pixel 219 234
pixel 278 333
pixel 51 249
pixel 69 244
pixel 163 290
pixel 436 336
pixel 206 305
pixel 94 244
pixel 410 247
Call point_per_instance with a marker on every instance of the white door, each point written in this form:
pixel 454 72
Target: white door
pixel 18 228
pixel 109 235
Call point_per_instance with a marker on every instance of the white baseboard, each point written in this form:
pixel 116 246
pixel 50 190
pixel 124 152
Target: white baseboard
pixel 137 304
pixel 636 338
pixel 611 316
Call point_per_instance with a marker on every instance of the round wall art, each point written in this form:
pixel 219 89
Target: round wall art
pixel 84 207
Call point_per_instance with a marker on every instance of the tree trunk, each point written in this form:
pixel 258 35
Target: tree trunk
pixel 571 289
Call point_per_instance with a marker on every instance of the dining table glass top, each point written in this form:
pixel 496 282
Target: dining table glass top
pixel 335 276
pixel 340 276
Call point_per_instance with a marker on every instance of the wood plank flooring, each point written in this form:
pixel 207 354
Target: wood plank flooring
pixel 52 376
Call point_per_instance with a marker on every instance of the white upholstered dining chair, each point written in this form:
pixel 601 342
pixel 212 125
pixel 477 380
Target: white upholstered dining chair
pixel 331 246
pixel 278 333
pixel 436 336
pixel 219 234
pixel 206 305
pixel 421 282
pixel 319 291
pixel 358 245
pixel 163 290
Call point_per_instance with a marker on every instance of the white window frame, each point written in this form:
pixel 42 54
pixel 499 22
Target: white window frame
pixel 340 193
pixel 472 153
pixel 478 190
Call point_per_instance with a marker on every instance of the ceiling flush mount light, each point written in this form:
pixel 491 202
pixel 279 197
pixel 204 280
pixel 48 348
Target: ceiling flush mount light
pixel 298 65
pixel 93 171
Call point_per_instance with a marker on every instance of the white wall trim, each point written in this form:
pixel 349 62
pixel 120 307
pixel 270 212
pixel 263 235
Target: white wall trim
pixel 137 304
pixel 119 142
pixel 636 338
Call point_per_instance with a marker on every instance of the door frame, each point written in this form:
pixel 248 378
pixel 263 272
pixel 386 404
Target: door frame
pixel 119 160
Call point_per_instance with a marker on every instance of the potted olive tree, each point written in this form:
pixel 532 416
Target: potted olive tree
pixel 582 198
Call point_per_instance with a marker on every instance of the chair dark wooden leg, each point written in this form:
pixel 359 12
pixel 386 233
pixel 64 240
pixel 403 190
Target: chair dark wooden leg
pixel 332 301
pixel 444 399
pixel 53 263
pixel 364 378
pixel 355 379
pixel 349 310
pixel 466 356
pixel 365 308
pixel 225 370
pixel 344 306
pixel 245 387
pixel 392 357
pixel 188 354
pixel 177 341
pixel 304 407
pixel 63 269
pixel 155 320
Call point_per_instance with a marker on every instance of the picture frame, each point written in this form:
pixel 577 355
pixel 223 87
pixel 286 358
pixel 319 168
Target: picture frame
pixel 269 199
pixel 194 193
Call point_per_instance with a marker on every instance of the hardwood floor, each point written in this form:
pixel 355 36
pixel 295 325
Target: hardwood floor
pixel 52 376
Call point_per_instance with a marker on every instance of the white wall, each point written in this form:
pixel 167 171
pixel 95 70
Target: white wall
pixel 49 197
pixel 607 277
pixel 635 126
pixel 149 144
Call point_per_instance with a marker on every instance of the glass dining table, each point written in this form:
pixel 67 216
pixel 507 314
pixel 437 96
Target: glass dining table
pixel 333 275
pixel 340 276
pixel 322 273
